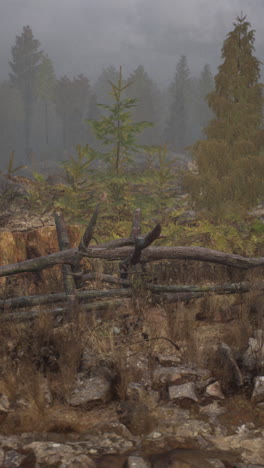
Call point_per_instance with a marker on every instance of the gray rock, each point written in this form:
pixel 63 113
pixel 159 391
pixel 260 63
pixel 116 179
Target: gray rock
pixel 2 456
pixel 254 355
pixel 187 390
pixel 137 462
pixel 170 375
pixel 214 390
pixel 225 363
pixel 14 459
pixel 213 411
pixel 4 404
pixel 90 390
pixel 136 391
pixel 169 360
pixel 58 455
pixel 258 392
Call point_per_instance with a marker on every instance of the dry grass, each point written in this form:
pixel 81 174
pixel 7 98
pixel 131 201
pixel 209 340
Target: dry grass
pixel 39 360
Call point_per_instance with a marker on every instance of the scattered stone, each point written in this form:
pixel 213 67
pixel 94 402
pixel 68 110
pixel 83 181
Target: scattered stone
pixel 135 391
pixel 137 417
pixel 258 392
pixel 112 427
pixel 214 390
pixel 169 360
pixel 173 375
pixel 213 411
pixel 2 456
pixel 250 446
pixel 88 360
pixel 44 388
pixel 226 365
pixel 91 390
pixel 215 463
pixel 60 455
pixel 4 404
pixel 137 462
pixel 254 355
pixel 187 390
pixel 13 459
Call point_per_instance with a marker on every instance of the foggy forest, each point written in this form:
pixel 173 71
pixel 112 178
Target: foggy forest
pixel 131 234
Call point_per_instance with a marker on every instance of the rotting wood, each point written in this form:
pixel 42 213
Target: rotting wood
pixel 64 244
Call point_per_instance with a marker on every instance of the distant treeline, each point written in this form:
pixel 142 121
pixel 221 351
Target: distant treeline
pixel 43 117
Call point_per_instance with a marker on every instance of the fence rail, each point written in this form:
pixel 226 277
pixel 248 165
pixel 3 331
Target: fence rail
pixel 134 250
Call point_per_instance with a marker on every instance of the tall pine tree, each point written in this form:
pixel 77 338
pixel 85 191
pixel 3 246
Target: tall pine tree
pixel 46 81
pixel 176 131
pixel 145 91
pixel 26 58
pixel 230 161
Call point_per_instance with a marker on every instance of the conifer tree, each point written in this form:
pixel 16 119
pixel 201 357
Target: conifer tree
pixel 46 81
pixel 176 131
pixel 116 131
pixel 205 86
pixel 72 103
pixel 230 162
pixel 26 58
pixel 148 108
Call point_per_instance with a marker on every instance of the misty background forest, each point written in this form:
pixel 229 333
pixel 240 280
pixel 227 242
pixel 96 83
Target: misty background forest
pixel 190 148
pixel 43 116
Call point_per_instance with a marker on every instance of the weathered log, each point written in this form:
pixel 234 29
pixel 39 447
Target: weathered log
pixel 230 288
pixel 148 255
pixel 141 243
pixel 32 314
pixel 85 241
pixel 64 244
pixel 29 301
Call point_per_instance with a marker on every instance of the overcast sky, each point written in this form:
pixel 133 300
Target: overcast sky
pixel 83 36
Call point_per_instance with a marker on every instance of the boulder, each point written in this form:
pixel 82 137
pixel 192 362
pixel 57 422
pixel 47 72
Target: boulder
pixel 187 390
pixel 258 391
pixel 214 390
pixel 90 390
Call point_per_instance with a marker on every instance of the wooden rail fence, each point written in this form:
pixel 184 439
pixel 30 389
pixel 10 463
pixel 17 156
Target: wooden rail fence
pixel 134 250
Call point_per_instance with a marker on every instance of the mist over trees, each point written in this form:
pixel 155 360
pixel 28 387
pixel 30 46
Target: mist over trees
pixel 216 121
pixel 43 116
pixel 26 58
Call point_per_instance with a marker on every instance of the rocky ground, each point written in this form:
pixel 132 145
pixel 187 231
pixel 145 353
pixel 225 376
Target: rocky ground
pixel 138 406
pixel 115 391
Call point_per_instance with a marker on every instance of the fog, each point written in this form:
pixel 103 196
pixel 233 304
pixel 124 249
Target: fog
pixel 82 36
pixel 85 36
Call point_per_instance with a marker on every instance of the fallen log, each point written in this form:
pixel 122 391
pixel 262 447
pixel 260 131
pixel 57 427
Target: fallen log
pixel 150 254
pixel 191 291
pixel 60 311
pixel 29 301
pixel 230 288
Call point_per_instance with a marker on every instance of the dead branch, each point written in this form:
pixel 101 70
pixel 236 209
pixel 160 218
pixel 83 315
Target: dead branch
pixel 140 244
pixel 85 241
pixel 64 244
